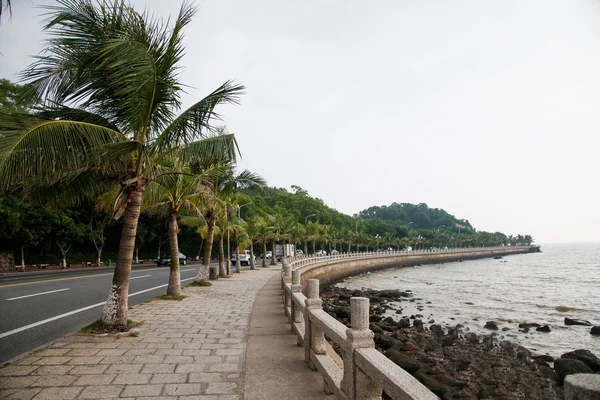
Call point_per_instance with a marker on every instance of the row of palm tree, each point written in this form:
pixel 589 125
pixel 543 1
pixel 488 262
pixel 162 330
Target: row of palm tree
pixel 110 126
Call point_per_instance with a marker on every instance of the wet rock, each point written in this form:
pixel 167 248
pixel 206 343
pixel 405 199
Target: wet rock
pixel 432 384
pixel 492 325
pixel 418 325
pixel 342 312
pixel 529 325
pixel 586 357
pixel 437 330
pixel 405 362
pixel 570 321
pixel 569 366
pixel 472 338
pixel 595 330
pixel 385 341
pixel 404 323
pixel 544 328
pixel 376 328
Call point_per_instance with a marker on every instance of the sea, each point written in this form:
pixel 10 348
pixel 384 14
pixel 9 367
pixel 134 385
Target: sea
pixel 561 281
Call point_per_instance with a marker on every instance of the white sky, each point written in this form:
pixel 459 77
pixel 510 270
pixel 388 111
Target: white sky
pixel 487 109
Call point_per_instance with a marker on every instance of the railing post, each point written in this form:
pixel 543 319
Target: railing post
pixel 314 339
pixel 355 384
pixel 287 278
pixel 296 288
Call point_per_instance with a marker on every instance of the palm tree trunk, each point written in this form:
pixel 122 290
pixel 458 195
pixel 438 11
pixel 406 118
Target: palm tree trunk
pixel 252 263
pixel 314 246
pixel 222 271
pixel 238 264
pixel 264 260
pixel 23 258
pixel 273 252
pixel 137 255
pixel 115 310
pixel 174 288
pixel 306 247
pixel 203 273
pixel 98 255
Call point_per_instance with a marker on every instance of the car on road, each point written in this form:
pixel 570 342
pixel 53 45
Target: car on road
pixel 245 257
pixel 166 260
pixel 321 253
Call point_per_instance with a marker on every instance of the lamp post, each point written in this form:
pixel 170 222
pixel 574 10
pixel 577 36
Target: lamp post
pixel 438 228
pixel 378 236
pixel 240 208
pixel 306 219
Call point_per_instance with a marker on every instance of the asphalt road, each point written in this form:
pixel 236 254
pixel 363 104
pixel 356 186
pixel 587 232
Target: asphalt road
pixel 37 309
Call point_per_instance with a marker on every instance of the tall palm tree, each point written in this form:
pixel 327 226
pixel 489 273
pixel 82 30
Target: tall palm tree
pixel 109 76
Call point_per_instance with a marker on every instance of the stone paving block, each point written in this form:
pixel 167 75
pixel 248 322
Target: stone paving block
pixel 85 360
pixel 221 388
pixel 223 367
pixel 18 370
pixel 182 389
pixel 118 360
pixel 142 390
pixel 132 379
pixel 17 382
pixel 83 352
pixel 196 352
pixel 27 360
pixel 124 369
pixel 229 352
pixel 63 393
pixel 49 352
pixel 186 368
pixel 19 394
pixel 206 377
pixel 149 359
pixel 55 380
pixel 88 369
pixel 53 370
pixel 52 360
pixel 168 352
pixel 94 380
pixel 102 392
pixel 111 352
pixel 179 359
pixel 169 378
pixel 158 368
pixel 140 352
pixel 212 397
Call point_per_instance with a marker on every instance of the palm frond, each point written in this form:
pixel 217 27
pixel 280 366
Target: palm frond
pixel 214 151
pixel 194 123
pixel 50 149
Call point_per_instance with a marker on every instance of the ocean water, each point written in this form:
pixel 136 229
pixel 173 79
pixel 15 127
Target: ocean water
pixel 523 288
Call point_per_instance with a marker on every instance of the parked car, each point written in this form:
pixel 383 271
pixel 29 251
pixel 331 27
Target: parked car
pixel 299 252
pixel 321 253
pixel 245 257
pixel 334 252
pixel 166 260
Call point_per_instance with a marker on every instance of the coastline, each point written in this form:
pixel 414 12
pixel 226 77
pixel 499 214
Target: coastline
pixel 449 360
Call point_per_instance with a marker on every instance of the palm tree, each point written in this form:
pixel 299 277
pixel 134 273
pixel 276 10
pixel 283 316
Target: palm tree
pixel 109 76
pixel 169 196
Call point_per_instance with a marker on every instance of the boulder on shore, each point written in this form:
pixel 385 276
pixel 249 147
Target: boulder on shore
pixel 571 321
pixel 585 356
pixel 595 330
pixel 569 366
pixel 493 325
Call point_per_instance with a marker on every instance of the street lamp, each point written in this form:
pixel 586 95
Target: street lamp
pixel 441 226
pixel 240 208
pixel 306 219
pixel 378 236
pixel 404 226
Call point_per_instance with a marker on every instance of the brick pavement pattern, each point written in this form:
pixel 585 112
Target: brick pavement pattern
pixel 189 349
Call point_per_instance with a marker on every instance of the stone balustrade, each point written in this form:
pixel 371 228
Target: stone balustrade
pixel 362 372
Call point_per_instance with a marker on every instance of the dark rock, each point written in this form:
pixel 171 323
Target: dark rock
pixel 432 384
pixel 404 323
pixel 548 372
pixel 595 330
pixel 586 357
pixel 469 303
pixel 544 328
pixel 437 330
pixel 524 354
pixel 545 357
pixel 569 366
pixel 529 325
pixel 491 325
pixel 405 362
pixel 390 294
pixel 498 258
pixel 398 311
pixel 400 337
pixel 570 321
pixel 418 325
pixel 374 318
pixel 406 293
pixel 389 320
pixel 385 341
pixel 342 312
pixel 375 328
pixel 472 338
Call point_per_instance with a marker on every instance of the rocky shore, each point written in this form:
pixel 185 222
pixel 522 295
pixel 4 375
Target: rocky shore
pixel 454 363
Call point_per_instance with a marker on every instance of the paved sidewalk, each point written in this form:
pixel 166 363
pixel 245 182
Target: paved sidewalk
pixel 274 363
pixel 190 349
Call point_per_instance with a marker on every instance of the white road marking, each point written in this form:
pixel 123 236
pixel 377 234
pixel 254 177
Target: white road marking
pixel 45 321
pixel 37 294
pixel 138 277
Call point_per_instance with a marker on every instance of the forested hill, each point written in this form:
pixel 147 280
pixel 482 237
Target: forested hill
pixel 419 216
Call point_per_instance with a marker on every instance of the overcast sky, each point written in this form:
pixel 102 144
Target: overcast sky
pixel 487 109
